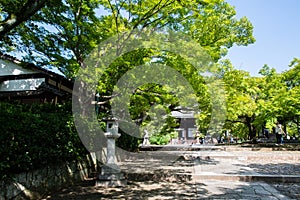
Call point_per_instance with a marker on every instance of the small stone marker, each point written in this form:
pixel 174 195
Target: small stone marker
pixel 146 139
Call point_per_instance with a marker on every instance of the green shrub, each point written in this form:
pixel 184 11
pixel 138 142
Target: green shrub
pixel 160 139
pixel 128 142
pixel 32 136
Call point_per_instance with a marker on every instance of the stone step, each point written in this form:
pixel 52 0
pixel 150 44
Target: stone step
pixel 247 177
pixel 180 148
pixel 179 177
pixel 238 156
pixel 158 177
pixel 250 158
pixel 234 147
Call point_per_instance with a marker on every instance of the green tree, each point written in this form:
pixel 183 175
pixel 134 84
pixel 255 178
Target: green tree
pixel 269 105
pixel 63 36
pixel 15 12
pixel 290 109
pixel 242 96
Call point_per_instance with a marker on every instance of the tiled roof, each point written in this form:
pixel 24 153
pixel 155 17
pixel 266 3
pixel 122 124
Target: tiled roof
pixel 31 66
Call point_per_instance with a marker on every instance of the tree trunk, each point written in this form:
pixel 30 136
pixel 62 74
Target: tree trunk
pixel 298 125
pixel 251 129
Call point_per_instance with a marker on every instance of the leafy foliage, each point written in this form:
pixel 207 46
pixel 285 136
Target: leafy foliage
pixel 13 13
pixel 128 142
pixel 163 138
pixel 255 103
pixel 63 33
pixel 35 136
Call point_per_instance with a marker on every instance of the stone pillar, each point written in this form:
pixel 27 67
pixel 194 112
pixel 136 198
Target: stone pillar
pixel 110 174
pixel 111 149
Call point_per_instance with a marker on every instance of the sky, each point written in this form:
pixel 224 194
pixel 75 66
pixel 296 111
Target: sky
pixel 277 33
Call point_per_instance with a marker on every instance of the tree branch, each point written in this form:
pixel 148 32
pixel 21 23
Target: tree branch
pixel 21 15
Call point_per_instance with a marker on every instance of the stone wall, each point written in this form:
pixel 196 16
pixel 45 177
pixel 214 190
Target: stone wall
pixel 33 184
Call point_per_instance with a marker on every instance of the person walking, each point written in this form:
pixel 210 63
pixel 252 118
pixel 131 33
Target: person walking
pixel 279 133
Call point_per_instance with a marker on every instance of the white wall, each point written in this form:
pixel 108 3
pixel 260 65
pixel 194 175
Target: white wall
pixel 10 68
pixel 21 84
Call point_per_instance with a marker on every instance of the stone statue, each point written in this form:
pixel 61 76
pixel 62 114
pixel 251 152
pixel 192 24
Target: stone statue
pixel 146 138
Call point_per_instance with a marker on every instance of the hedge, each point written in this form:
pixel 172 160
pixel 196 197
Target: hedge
pixel 33 136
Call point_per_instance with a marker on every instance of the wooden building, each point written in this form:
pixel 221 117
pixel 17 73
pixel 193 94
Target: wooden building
pixel 28 83
pixel 186 130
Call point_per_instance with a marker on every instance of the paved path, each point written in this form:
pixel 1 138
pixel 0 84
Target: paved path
pixel 207 174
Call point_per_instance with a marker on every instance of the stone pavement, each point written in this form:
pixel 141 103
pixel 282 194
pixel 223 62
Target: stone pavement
pixel 203 174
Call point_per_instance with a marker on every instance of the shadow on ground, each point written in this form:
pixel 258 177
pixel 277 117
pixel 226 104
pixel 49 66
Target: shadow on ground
pixel 169 179
pixel 134 190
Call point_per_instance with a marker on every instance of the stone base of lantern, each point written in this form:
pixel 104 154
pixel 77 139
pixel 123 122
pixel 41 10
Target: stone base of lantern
pixel 111 176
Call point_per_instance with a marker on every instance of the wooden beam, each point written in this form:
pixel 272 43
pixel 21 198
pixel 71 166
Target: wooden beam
pixel 22 76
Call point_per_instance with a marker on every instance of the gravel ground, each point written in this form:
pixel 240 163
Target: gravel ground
pixel 291 190
pixel 276 168
pixel 173 188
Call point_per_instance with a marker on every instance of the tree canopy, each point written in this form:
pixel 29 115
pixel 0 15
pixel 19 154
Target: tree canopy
pixel 62 36
pixel 64 33
pixel 14 13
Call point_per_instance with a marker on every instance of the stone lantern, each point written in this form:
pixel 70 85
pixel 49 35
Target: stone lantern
pixel 110 174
